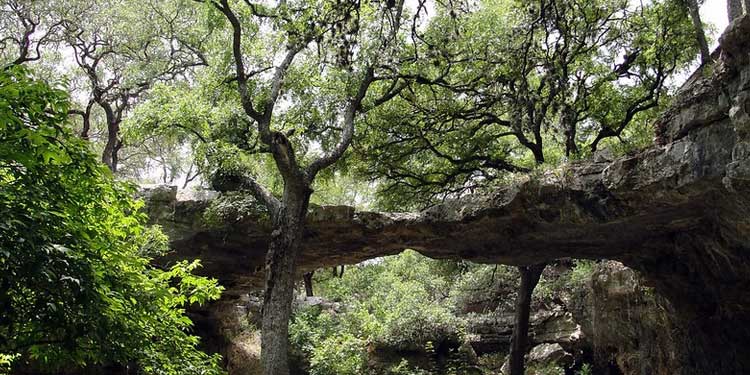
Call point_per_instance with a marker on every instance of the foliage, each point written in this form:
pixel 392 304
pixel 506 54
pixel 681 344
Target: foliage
pixel 404 368
pixel 581 273
pixel 112 51
pixel 77 287
pixel 485 288
pixel 450 103
pixel 401 301
pixel 516 84
pixel 6 360
pixel 397 303
pixel 546 369
pixel 233 207
pixel 342 188
pixel 339 354
pixel 585 370
pixel 410 303
pixel 564 284
pixel 169 125
pixel 324 341
pixel 154 242
pixel 492 362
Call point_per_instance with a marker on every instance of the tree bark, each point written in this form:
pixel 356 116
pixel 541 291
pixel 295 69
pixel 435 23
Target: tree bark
pixel 281 259
pixel 335 271
pixel 700 35
pixel 87 120
pixel 109 154
pixel 519 341
pixel 736 8
pixel 308 284
pixel 538 152
pixel 570 123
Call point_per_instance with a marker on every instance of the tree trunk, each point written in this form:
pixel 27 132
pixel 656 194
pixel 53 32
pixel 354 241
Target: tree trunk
pixel 87 120
pixel 335 271
pixel 570 122
pixel 537 150
pixel 109 155
pixel 519 341
pixel 736 8
pixel 700 35
pixel 281 259
pixel 308 283
pixel 570 141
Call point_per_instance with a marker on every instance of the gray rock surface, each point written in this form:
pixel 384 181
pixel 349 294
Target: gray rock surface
pixel 549 354
pixel 626 325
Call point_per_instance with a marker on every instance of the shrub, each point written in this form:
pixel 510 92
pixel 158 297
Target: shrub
pixel 77 287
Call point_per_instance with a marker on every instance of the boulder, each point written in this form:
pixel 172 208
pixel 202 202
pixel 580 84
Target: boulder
pixel 549 354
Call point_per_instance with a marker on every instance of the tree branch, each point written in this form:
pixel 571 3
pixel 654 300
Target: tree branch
pixel 348 131
pixel 247 103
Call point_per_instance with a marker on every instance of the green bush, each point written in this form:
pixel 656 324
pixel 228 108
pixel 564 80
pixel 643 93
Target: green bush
pixel 77 287
pixel 485 288
pixel 404 368
pixel 340 354
pixel 585 370
pixel 546 369
pixel 564 284
pixel 394 303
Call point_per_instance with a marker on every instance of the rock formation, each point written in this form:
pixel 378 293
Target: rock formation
pixel 678 213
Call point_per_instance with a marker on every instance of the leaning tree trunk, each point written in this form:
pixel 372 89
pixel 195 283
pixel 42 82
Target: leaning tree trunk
pixel 700 34
pixel 519 341
pixel 307 277
pixel 281 259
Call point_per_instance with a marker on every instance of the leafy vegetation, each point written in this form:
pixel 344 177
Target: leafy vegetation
pixel 77 287
pixel 517 84
pixel 399 303
pixel 380 311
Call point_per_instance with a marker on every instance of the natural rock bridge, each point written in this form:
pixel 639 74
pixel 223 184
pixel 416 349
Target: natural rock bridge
pixel 678 212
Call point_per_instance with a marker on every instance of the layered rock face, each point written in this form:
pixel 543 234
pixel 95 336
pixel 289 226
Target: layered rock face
pixel 678 213
pixel 625 325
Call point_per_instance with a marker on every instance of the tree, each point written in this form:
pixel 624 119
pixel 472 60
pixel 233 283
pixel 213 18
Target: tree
pixel 120 62
pixel 116 61
pixel 515 85
pixel 512 83
pixel 28 27
pixel 308 280
pixel 333 53
pixel 519 341
pixel 693 8
pixel 77 288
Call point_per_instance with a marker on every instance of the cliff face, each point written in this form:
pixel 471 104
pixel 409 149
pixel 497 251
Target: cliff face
pixel 625 325
pixel 678 213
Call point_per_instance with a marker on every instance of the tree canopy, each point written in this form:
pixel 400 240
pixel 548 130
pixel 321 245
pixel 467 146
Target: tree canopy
pixel 517 84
